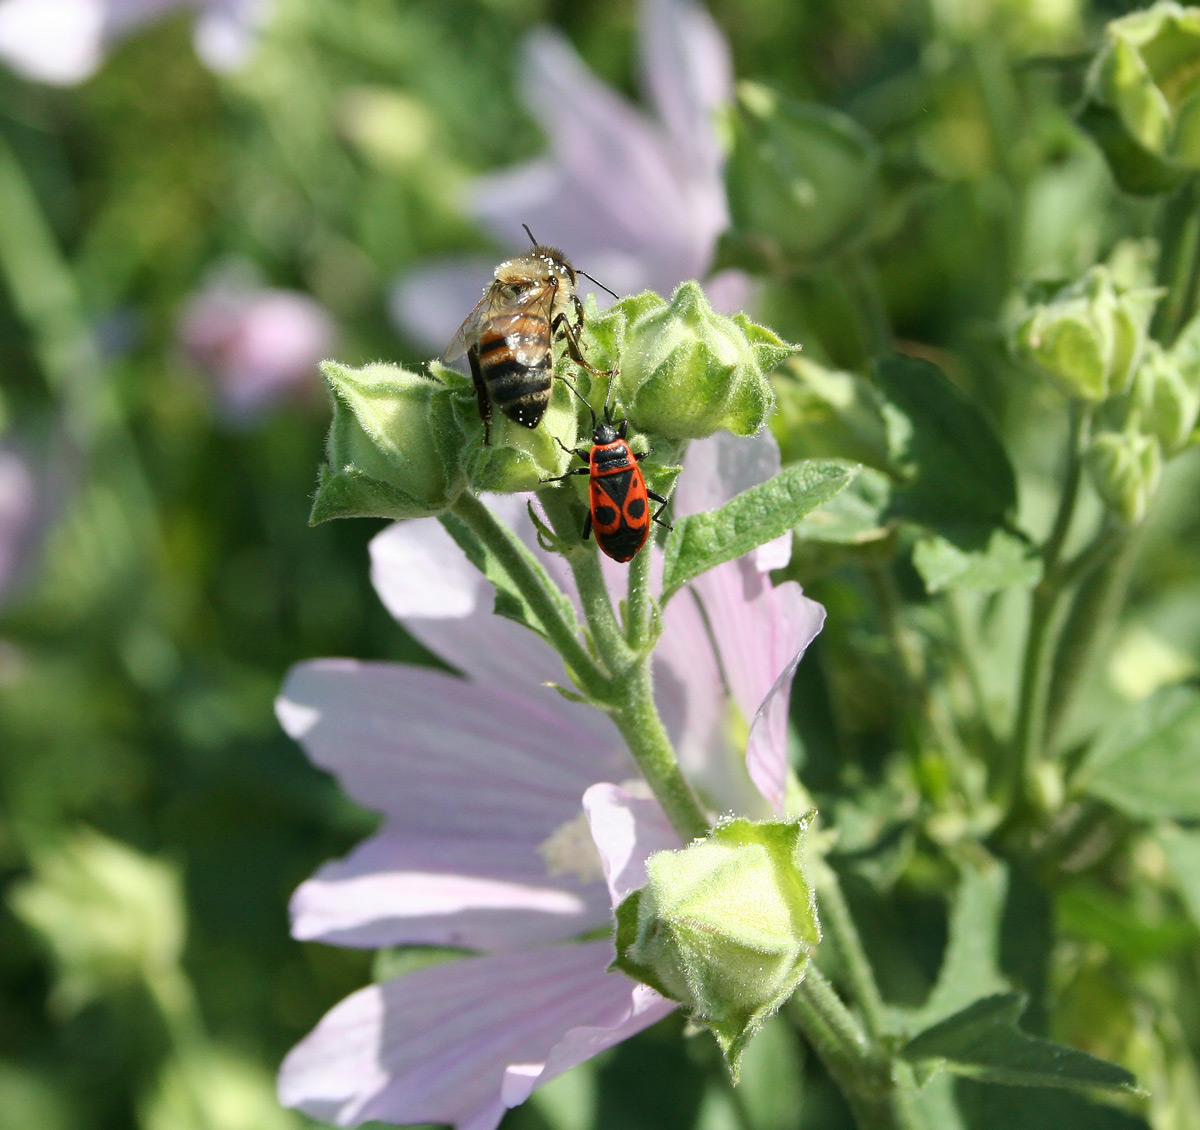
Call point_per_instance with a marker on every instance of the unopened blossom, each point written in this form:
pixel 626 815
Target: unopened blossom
pixel 65 41
pixel 258 345
pixel 636 199
pixel 513 819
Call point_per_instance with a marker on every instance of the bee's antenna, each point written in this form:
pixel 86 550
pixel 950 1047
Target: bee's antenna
pixel 598 283
pixel 532 240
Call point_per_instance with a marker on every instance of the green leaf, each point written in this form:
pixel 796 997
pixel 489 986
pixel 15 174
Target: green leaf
pixel 982 1041
pixel 509 601
pixel 855 516
pixel 1004 561
pixel 971 963
pixel 1182 849
pixel 700 542
pixel 1147 762
pixel 956 476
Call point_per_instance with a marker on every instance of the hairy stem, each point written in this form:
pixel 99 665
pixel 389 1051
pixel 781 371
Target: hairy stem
pixel 839 928
pixel 537 589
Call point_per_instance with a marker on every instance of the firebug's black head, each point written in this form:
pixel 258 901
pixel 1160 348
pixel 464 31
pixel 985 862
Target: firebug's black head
pixel 605 433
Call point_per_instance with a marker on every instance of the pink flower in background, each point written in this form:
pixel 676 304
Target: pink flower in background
pixel 500 825
pixel 637 200
pixel 65 41
pixel 259 345
pixel 18 514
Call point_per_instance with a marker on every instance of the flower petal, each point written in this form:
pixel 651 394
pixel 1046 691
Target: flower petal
pixel 627 830
pixel 437 1045
pixel 54 41
pixel 719 468
pixel 443 756
pixel 761 632
pixel 646 1007
pixel 687 72
pixel 478 892
pixel 429 304
pixel 426 582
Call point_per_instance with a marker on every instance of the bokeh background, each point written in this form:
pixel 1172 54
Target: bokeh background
pixel 199 201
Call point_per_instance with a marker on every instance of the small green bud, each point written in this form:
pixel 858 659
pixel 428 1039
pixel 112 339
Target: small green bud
pixel 801 180
pixel 110 915
pixel 520 458
pixel 687 372
pixel 1126 468
pixel 1141 100
pixel 394 445
pixel 725 926
pixel 1088 337
pixel 1166 396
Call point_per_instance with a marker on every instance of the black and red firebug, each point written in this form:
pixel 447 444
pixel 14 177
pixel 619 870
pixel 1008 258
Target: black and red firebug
pixel 618 498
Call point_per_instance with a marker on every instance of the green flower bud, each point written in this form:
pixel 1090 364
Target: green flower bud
pixel 1126 468
pixel 520 458
pixel 1087 337
pixel 687 372
pixel 1166 396
pixel 725 926
pixel 801 180
pixel 394 445
pixel 110 915
pixel 1141 100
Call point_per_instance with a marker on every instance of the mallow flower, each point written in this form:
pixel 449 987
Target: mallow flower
pixel 258 345
pixel 65 41
pixel 637 199
pixel 513 819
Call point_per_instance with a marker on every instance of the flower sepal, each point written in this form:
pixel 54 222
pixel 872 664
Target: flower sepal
pixel 1089 336
pixel 393 446
pixel 725 926
pixel 1126 468
pixel 687 372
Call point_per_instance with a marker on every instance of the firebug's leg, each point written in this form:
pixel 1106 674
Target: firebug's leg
pixel 567 475
pixel 655 516
pixel 587 526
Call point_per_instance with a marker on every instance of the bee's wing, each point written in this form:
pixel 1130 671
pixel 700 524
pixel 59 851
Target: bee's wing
pixel 527 349
pixel 468 332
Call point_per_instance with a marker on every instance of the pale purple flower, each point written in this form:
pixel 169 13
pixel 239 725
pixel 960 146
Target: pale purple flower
pixel 503 830
pixel 636 199
pixel 65 41
pixel 18 517
pixel 258 345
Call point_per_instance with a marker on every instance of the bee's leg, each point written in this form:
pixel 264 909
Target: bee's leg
pixel 481 396
pixel 562 324
pixel 655 516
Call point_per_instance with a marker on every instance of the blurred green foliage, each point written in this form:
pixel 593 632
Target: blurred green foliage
pixel 144 785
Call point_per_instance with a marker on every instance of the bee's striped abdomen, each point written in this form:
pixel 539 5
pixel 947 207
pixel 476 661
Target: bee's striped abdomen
pixel 517 364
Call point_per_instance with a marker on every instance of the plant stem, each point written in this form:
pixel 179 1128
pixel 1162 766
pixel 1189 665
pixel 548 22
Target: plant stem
pixel 878 1100
pixel 638 720
pixel 1046 613
pixel 537 588
pixel 839 927
pixel 639 604
pixel 1179 262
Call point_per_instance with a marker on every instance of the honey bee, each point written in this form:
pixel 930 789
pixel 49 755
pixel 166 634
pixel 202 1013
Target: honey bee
pixel 509 336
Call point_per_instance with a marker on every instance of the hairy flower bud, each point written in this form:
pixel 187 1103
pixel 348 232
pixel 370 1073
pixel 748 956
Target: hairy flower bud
pixel 1166 395
pixel 394 445
pixel 687 372
pixel 1126 468
pixel 1141 102
pixel 724 926
pixel 1088 337
pixel 801 179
